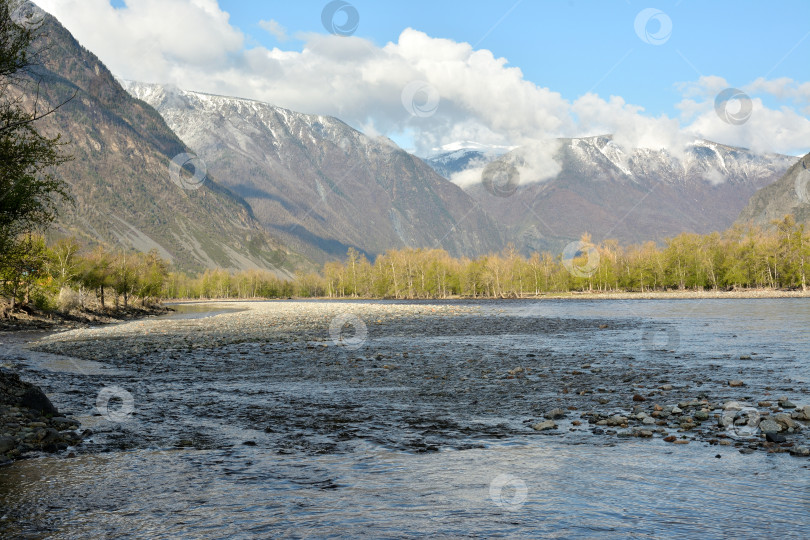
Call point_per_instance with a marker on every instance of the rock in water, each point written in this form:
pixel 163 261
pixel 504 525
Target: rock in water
pixel 543 426
pixel 555 413
pixel 35 399
pixel 736 383
pixel 769 426
pixel 775 437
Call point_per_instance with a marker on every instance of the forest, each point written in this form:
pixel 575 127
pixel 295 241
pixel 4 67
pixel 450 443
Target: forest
pixel 65 276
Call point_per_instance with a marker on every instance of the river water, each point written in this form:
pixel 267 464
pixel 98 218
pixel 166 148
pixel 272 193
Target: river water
pixel 344 451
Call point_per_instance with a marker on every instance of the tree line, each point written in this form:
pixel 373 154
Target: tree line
pixel 739 258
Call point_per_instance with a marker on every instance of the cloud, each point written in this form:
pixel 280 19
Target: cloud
pixel 274 29
pixel 191 44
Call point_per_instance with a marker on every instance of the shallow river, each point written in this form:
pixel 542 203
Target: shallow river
pixel 238 440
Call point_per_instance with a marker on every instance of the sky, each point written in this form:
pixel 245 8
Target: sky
pixel 426 74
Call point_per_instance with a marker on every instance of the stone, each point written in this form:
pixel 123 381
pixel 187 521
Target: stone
pixel 802 451
pixel 64 423
pixel 775 438
pixel 644 433
pixel 648 421
pixel 769 426
pixel 785 420
pixel 7 444
pixel 803 413
pixel 681 441
pixel 676 410
pixel 671 438
pixel 736 383
pixel 555 413
pixel 543 426
pixel 35 399
pixel 786 404
pixel 639 397
pixel 666 387
pixel 616 420
pixel 702 416
pixel 732 406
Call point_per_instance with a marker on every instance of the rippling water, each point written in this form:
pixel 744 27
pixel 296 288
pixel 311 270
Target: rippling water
pixel 344 460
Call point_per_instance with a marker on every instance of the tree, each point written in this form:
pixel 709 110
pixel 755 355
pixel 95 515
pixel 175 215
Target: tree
pixel 29 191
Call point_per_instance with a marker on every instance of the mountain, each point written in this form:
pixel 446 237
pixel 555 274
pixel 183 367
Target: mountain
pixel 460 156
pixel 553 192
pixel 788 195
pixel 120 177
pixel 317 183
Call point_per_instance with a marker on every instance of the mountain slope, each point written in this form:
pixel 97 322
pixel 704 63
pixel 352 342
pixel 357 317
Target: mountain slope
pixel 571 186
pixel 319 184
pixel 788 195
pixel 120 175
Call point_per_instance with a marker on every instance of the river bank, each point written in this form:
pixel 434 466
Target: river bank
pixel 689 294
pixel 29 422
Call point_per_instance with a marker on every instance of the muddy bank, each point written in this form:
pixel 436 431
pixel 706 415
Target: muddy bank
pixel 318 377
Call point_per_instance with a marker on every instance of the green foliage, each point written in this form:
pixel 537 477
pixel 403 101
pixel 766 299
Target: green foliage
pixel 29 191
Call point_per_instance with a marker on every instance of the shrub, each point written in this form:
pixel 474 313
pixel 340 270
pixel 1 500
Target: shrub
pixel 68 300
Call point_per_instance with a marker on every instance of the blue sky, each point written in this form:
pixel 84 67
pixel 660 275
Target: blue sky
pixel 574 47
pixel 427 74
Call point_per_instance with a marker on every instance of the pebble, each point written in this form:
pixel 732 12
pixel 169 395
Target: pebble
pixel 543 426
pixel 769 426
pixel 736 383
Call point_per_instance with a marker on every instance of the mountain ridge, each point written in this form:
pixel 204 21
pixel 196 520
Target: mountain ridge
pixel 318 183
pixel 120 179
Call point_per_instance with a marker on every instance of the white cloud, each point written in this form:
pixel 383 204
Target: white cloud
pixel 274 29
pixel 191 43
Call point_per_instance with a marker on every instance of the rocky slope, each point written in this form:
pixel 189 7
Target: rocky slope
pixel 788 195
pixel 319 184
pixel 120 177
pixel 566 187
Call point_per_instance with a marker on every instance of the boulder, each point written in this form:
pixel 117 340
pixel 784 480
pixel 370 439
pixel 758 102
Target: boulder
pixel 35 399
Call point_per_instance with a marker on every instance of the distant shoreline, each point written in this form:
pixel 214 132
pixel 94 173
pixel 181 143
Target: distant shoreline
pixel 586 295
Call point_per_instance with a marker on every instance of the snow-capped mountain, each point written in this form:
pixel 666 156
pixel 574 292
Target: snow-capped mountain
pixel 319 184
pixel 456 157
pixel 565 187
